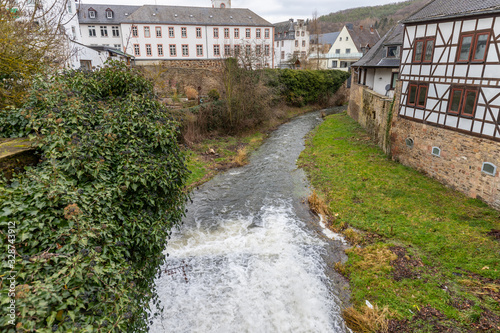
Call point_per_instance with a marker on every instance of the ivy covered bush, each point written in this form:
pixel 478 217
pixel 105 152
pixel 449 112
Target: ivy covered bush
pixel 92 219
pixel 301 87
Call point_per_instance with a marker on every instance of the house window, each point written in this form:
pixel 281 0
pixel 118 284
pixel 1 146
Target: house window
pixel 92 13
pixel 158 32
pixel 118 46
pixel 236 50
pixel 473 47
pixel 417 95
pixel 277 44
pixel 392 52
pixel 70 9
pixel 347 51
pixel 296 43
pixel 171 33
pixel 340 39
pixel 135 33
pixel 198 32
pixel 216 50
pixel 394 80
pixel 346 39
pixel 104 31
pixel 258 50
pixel 227 50
pixel 236 33
pixel 337 51
pixel 343 64
pixel 489 168
pixel 303 54
pixel 463 101
pixel 109 13
pixel 423 50
pixel 303 43
pixel 266 33
pixel 257 33
pixel 137 50
pixel 334 63
pixel 185 50
pixel 248 34
pixel 216 32
pixel 199 50
pixel 282 55
pixel 115 31
pixel 160 50
pixel 173 50
pixel 92 31
pixel 266 50
pixel 147 33
pixel 148 50
pixel 248 50
pixel 73 32
pixel 184 32
pixel 436 151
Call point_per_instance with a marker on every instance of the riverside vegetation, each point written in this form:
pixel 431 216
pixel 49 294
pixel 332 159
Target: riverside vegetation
pixel 425 256
pixel 93 217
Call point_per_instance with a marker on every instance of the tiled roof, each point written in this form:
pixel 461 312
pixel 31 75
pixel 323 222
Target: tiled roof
pixel 443 9
pixel 363 37
pixel 377 55
pixel 120 13
pixel 196 15
pixel 328 38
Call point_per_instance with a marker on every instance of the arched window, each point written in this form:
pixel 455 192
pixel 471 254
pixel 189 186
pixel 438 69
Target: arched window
pixel 222 5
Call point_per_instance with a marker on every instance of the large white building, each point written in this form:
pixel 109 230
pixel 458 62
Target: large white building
pixel 291 43
pixel 152 33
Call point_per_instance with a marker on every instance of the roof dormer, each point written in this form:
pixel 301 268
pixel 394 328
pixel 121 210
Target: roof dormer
pixel 109 13
pixel 92 13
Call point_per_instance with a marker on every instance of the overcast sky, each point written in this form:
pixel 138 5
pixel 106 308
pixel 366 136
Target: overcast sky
pixel 272 10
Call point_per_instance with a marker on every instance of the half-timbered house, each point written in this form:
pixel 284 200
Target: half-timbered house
pixel 448 120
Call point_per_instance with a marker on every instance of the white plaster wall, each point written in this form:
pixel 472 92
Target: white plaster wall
pixel 343 42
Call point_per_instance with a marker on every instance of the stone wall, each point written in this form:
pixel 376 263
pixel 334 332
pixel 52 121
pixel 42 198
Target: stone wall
pixel 182 73
pixel 460 162
pixel 371 110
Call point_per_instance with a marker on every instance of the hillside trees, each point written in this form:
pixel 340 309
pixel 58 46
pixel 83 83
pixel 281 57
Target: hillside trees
pixel 92 219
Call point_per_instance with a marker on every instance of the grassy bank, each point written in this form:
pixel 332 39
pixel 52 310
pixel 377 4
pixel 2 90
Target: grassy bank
pixel 219 153
pixel 427 253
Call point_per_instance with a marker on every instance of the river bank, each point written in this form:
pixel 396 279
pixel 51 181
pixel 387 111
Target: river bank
pixel 427 256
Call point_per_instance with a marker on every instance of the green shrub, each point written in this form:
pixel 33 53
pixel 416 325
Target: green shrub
pixel 92 219
pixel 213 95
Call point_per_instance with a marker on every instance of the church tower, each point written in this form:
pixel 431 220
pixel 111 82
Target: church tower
pixel 221 3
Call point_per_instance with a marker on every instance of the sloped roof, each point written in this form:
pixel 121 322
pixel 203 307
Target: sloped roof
pixel 377 55
pixel 328 38
pixel 443 9
pixel 363 37
pixel 119 12
pixel 196 15
pixel 281 27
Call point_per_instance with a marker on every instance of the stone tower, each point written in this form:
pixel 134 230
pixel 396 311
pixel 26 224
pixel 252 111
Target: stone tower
pixel 221 3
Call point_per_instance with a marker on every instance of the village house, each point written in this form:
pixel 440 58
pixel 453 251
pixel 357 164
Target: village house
pixel 374 79
pixel 291 43
pixel 349 46
pixel 448 120
pixel 154 33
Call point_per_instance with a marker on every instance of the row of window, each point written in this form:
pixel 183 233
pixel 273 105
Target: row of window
pixel 115 31
pixel 228 50
pixel 472 48
pixel 462 100
pixel 296 43
pixel 93 13
pixel 302 33
pixel 184 33
pixel 296 53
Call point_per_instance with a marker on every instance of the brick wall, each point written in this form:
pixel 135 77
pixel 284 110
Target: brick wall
pixel 371 110
pixel 461 160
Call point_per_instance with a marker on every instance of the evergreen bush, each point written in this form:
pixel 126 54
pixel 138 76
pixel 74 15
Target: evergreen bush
pixel 90 222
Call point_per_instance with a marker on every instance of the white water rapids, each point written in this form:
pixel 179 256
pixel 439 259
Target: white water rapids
pixel 247 258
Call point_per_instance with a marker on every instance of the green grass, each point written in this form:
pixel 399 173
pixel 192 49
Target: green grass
pixel 445 229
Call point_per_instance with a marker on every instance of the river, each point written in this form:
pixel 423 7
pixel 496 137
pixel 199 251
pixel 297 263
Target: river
pixel 250 257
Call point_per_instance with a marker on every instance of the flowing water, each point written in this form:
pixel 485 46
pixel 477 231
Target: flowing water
pixel 250 256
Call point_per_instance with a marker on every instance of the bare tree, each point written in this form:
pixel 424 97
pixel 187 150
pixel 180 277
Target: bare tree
pixel 315 30
pixel 33 40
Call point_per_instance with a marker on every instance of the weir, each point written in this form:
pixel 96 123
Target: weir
pixel 250 257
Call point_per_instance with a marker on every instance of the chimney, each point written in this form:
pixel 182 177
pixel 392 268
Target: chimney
pixel 372 30
pixel 360 27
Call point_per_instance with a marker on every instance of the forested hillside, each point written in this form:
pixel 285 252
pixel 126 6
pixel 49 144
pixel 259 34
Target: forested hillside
pixel 381 17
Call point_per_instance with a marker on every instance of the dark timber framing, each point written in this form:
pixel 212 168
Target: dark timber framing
pixel 478 80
